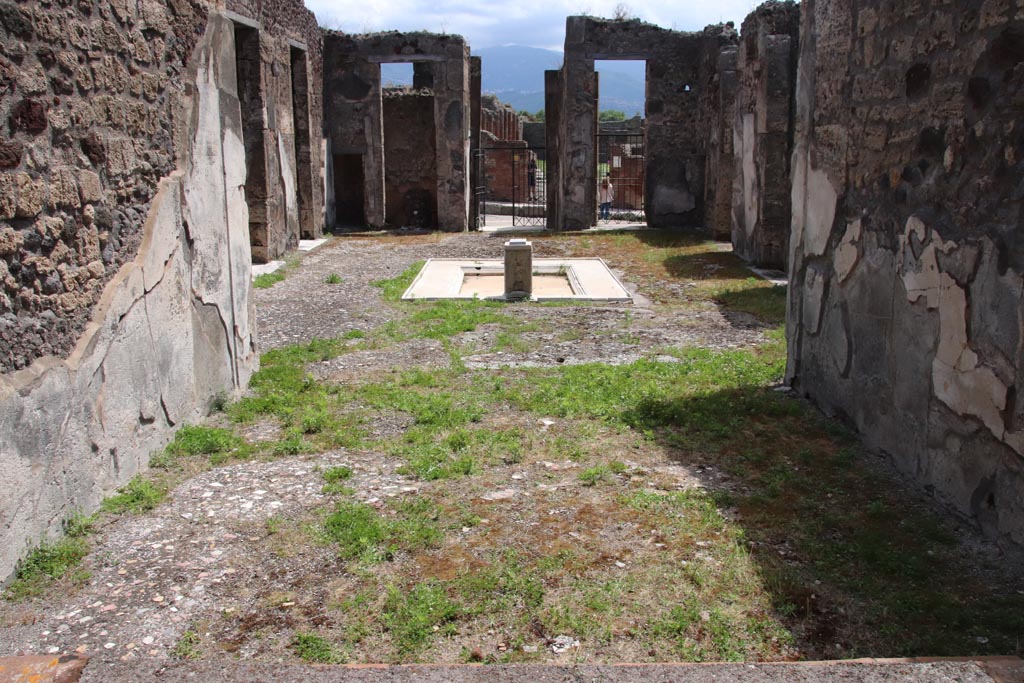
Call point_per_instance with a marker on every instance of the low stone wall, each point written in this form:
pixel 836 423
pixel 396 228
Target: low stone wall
pixel 906 303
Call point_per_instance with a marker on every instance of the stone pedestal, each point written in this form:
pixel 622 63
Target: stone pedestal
pixel 518 269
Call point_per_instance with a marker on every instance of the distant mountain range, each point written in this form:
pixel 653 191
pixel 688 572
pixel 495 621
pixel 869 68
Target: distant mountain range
pixel 516 75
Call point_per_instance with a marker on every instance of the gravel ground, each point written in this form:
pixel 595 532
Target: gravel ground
pixel 154 575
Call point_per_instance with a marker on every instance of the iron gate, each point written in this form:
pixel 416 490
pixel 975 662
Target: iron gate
pixel 620 161
pixel 513 185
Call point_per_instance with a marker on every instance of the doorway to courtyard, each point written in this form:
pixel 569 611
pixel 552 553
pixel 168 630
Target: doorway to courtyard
pixel 620 142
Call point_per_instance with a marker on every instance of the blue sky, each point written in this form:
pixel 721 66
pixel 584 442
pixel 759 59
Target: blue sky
pixel 535 23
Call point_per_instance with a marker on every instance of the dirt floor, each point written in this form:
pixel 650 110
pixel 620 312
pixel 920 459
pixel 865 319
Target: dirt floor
pixel 521 483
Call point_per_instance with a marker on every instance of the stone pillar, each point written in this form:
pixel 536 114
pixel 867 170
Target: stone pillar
pixel 451 117
pixel 476 180
pixel 766 69
pixel 578 127
pixel 720 168
pixel 518 269
pixel 552 131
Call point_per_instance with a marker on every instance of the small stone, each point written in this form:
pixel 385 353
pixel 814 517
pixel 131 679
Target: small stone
pixel 563 643
pixel 529 648
pixel 109 646
pixel 52 650
pixel 503 494
pixel 148 640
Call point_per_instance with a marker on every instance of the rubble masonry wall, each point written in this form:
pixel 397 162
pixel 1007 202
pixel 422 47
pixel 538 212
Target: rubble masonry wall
pixel 125 245
pixel 906 303
pixel 352 113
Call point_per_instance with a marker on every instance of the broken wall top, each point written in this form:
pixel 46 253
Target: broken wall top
pixel 396 46
pixel 611 39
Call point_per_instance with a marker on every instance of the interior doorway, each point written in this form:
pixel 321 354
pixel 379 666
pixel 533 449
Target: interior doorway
pixel 349 196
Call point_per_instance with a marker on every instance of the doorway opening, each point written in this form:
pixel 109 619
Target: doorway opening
pixel 303 150
pixel 349 195
pixel 620 142
pixel 410 146
pixel 250 98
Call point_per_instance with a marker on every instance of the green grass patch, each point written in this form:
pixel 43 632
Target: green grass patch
pixel 137 496
pixel 333 279
pixel 219 444
pixel 315 649
pixel 313 414
pixel 187 646
pixel 692 395
pixel 362 533
pixel 52 560
pixel 335 478
pixel 392 289
pixel 410 615
pixel 758 297
pixel 268 280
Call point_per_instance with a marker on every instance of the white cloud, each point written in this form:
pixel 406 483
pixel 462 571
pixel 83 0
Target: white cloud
pixel 537 23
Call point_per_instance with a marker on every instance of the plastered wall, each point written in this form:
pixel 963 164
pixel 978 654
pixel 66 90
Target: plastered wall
pixel 906 303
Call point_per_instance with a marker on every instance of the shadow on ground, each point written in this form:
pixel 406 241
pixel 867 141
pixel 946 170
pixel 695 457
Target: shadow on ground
pixel 855 564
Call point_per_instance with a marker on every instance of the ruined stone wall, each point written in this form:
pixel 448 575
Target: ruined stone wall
pixel 86 94
pixel 85 138
pixel 125 251
pixel 352 112
pixel 554 99
pixel 410 177
pixel 907 252
pixel 500 119
pixel 506 171
pixel 285 61
pixel 535 136
pixel 763 133
pixel 679 66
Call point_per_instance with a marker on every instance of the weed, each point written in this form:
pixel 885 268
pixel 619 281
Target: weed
pixel 334 477
pixel 593 475
pixel 333 279
pixel 137 496
pixel 292 444
pixel 354 334
pixel 393 288
pixel 411 614
pixel 52 560
pixel 313 648
pixel 760 298
pixel 219 444
pixel 268 280
pixel 187 646
pixel 362 533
